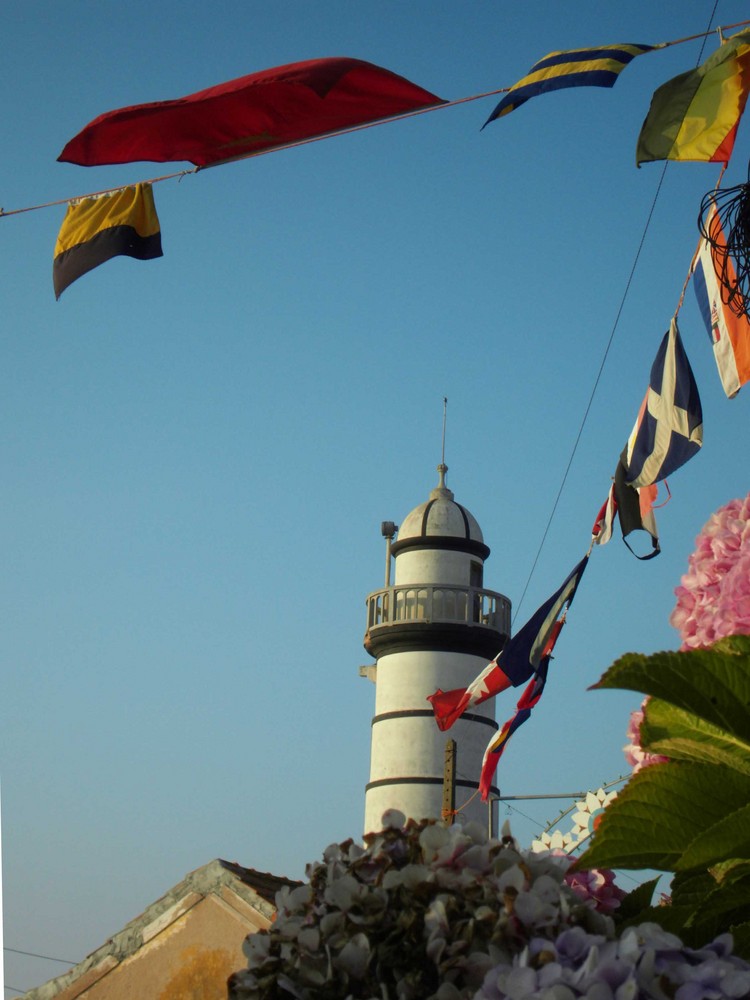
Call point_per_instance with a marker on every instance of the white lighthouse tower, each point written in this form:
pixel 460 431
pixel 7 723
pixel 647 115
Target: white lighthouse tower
pixel 435 627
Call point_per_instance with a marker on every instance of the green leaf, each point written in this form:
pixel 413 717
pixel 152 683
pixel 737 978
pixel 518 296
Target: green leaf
pixel 682 735
pixel 713 683
pixel 690 889
pixel 633 905
pixel 707 906
pixel 692 814
pixel 660 812
pixel 741 935
pixel 724 906
pixel 671 918
pixel 729 837
pixel 731 870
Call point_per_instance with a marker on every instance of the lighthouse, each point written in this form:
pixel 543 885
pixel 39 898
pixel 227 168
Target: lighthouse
pixel 435 626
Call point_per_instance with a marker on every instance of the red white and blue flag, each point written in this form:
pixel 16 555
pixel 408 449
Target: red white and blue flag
pixel 529 698
pixel 519 660
pixel 728 327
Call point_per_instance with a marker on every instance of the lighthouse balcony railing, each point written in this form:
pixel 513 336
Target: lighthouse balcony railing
pixel 427 604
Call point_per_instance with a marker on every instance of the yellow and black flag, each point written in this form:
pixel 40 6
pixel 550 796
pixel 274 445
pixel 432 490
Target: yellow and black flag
pixel 95 229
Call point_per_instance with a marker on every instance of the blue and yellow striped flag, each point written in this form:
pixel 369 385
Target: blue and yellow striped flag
pixel 597 67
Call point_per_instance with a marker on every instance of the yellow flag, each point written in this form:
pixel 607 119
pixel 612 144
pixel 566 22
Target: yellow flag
pixel 695 115
pixel 95 229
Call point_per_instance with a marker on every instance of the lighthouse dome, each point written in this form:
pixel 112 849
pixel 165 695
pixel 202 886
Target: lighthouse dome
pixel 439 517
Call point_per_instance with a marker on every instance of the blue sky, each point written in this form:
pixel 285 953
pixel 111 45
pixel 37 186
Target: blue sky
pixel 198 451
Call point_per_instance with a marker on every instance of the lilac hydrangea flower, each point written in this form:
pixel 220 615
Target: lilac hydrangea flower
pixel 597 887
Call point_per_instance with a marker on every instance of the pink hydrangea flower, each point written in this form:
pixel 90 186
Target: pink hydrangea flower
pixel 713 598
pixel 635 755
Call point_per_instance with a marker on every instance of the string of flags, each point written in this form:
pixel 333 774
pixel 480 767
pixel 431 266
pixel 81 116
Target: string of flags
pixel 693 117
pixel 272 109
pixel 686 121
pixel 668 431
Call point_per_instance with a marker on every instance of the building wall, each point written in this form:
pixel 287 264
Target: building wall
pixel 434 566
pixel 187 958
pixel 408 745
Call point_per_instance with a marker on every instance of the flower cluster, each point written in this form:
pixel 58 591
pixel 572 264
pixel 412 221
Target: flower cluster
pixel 635 755
pixel 597 887
pixel 424 912
pixel 645 963
pixel 421 911
pixel 713 598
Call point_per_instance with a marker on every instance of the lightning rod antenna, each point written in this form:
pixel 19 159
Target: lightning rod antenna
pixel 445 412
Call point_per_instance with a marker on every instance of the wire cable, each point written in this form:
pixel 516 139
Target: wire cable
pixel 587 410
pixel 33 954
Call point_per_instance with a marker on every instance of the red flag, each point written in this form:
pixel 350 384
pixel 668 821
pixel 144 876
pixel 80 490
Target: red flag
pixel 449 706
pixel 252 113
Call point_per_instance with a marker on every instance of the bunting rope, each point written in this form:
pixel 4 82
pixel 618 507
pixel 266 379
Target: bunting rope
pixel 455 812
pixel 261 152
pixel 96 194
pixel 327 135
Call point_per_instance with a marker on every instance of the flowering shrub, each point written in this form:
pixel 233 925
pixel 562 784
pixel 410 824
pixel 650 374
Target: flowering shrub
pixel 424 912
pixel 713 598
